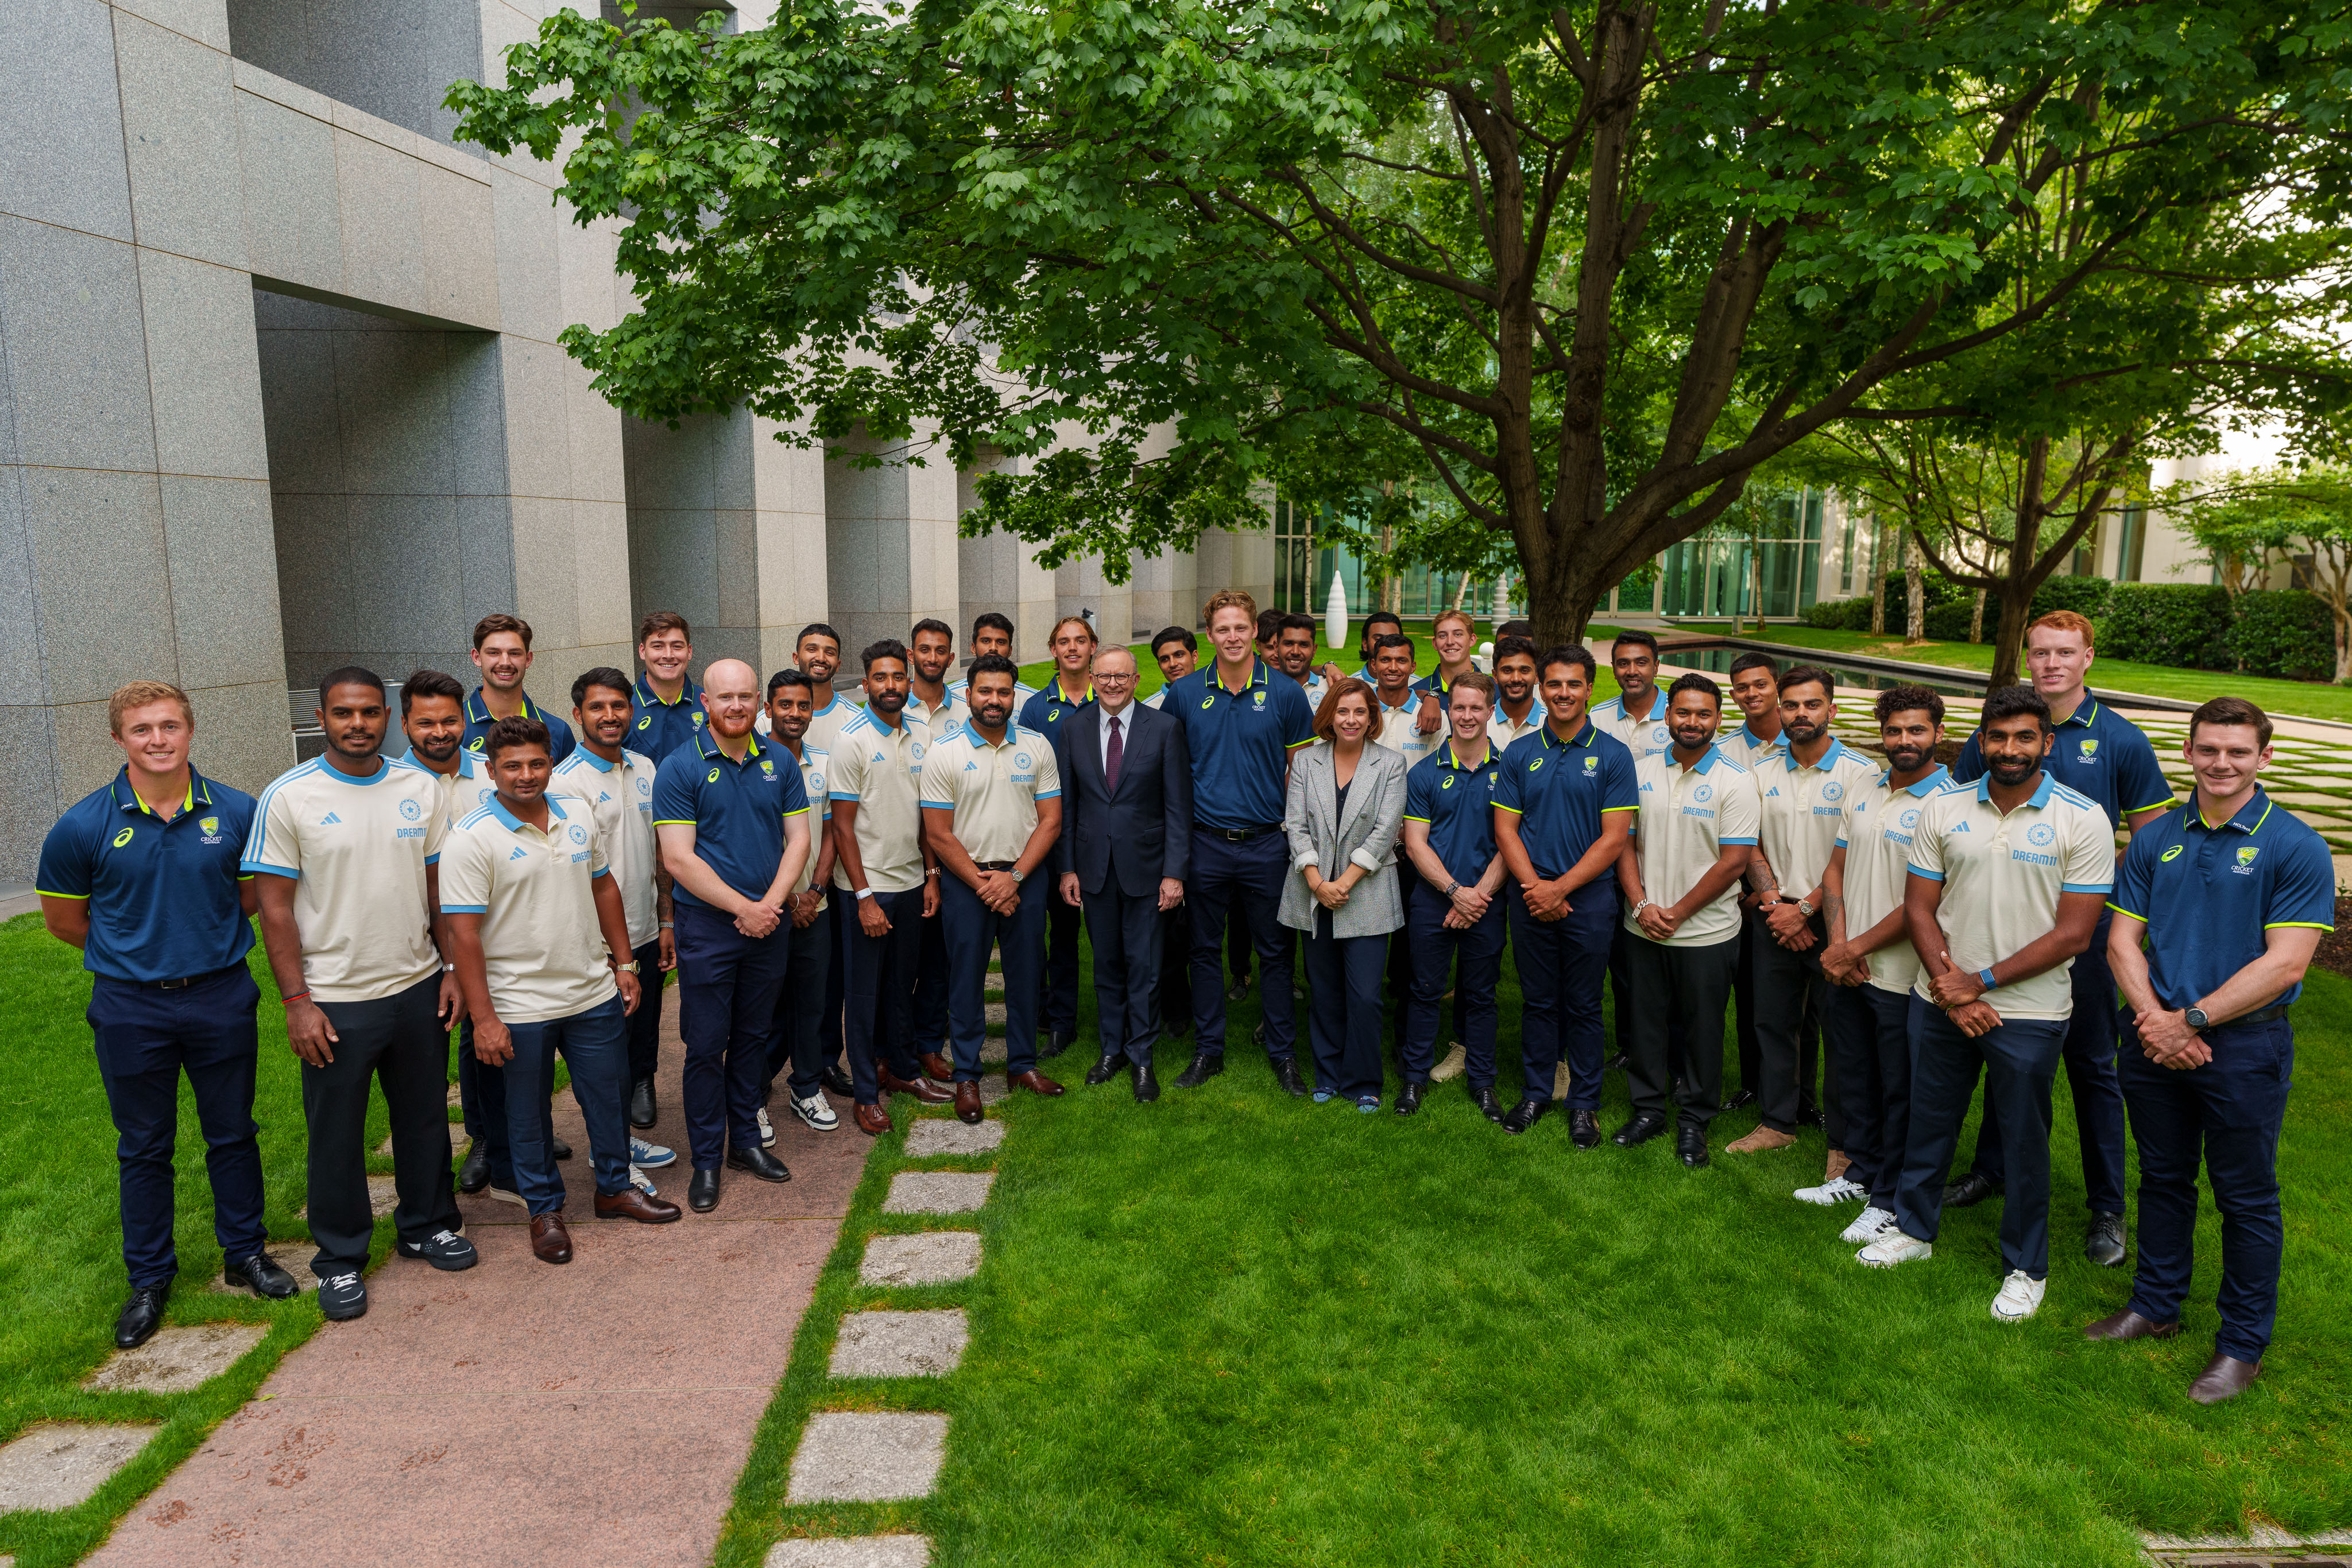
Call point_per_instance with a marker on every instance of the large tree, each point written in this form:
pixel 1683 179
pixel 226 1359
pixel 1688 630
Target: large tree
pixel 1595 262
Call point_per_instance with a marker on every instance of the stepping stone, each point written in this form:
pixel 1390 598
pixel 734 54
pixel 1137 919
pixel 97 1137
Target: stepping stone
pixel 457 1100
pixel 863 1456
pixel 383 1197
pixel 938 1192
pixel 60 1466
pixel 926 1258
pixel 840 1552
pixel 286 1252
pixel 992 1051
pixel 995 1011
pixel 931 1135
pixel 177 1360
pixel 900 1345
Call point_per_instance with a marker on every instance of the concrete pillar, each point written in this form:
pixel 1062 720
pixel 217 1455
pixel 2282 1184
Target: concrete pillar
pixel 1000 572
pixel 1080 585
pixel 890 555
pixel 1165 592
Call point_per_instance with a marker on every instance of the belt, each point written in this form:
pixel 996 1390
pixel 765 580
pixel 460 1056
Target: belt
pixel 2260 1015
pixel 180 984
pixel 996 865
pixel 1236 835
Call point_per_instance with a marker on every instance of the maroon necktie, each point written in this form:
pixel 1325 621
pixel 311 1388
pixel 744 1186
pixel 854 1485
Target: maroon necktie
pixel 1111 761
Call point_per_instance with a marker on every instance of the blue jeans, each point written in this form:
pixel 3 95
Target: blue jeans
pixel 2224 1115
pixel 727 989
pixel 2020 1060
pixel 973 928
pixel 1248 879
pixel 2090 1058
pixel 1562 965
pixel 1435 946
pixel 596 1047
pixel 1868 1033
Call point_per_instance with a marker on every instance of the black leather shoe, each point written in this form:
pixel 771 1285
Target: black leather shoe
pixel 2104 1244
pixel 1809 1117
pixel 1050 1046
pixel 474 1170
pixel 142 1314
pixel 1614 1064
pixel 1639 1130
pixel 1204 1067
pixel 702 1191
pixel 1583 1128
pixel 260 1274
pixel 1146 1082
pixel 641 1104
pixel 1285 1072
pixel 1969 1191
pixel 837 1083
pixel 758 1162
pixel 1409 1101
pixel 1690 1146
pixel 1257 1034
pixel 559 1148
pixel 1488 1105
pixel 1740 1101
pixel 1105 1069
pixel 1240 989
pixel 1524 1114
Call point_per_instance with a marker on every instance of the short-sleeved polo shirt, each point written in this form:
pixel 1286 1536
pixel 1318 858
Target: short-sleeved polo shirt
pixel 560 738
pixel 541 944
pixel 1021 692
pixel 1241 743
pixel 1751 750
pixel 620 800
pixel 1435 684
pixel 2098 754
pixel 661 726
pixel 737 810
pixel 1458 802
pixel 1641 736
pixel 816 769
pixel 466 788
pixel 356 850
pixel 992 786
pixel 1503 732
pixel 880 767
pixel 1564 791
pixel 825 723
pixel 1398 729
pixel 1688 816
pixel 2002 876
pixel 1880 820
pixel 1312 688
pixel 2210 895
pixel 1047 711
pixel 1804 808
pixel 952 711
pixel 163 896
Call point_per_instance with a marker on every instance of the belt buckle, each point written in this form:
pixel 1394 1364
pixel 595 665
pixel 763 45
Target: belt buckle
pixel 179 985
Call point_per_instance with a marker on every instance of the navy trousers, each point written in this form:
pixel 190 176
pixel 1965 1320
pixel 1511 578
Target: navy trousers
pixel 1059 1008
pixel 2090 1058
pixel 1480 949
pixel 644 1026
pixel 596 1047
pixel 972 929
pixel 1790 991
pixel 1868 1031
pixel 396 1041
pixel 1247 878
pixel 727 986
pixel 931 986
pixel 2225 1116
pixel 1344 976
pixel 145 1038
pixel 1176 968
pixel 1125 935
pixel 2020 1059
pixel 800 1007
pixel 878 975
pixel 1675 997
pixel 1562 964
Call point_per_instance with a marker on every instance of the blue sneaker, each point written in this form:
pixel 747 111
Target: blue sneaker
pixel 653 1156
pixel 444 1250
pixel 1368 1104
pixel 1322 1096
pixel 342 1297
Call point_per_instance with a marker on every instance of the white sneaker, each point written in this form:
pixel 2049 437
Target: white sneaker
pixel 816 1112
pixel 1891 1247
pixel 1832 1192
pixel 767 1130
pixel 2020 1297
pixel 1866 1226
pixel 643 1182
pixel 653 1156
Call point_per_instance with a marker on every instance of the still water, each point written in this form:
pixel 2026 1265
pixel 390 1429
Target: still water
pixel 1850 677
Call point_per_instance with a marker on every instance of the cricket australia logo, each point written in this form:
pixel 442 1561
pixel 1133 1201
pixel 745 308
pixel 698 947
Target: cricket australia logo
pixel 2088 751
pixel 2246 858
pixel 1591 766
pixel 1259 698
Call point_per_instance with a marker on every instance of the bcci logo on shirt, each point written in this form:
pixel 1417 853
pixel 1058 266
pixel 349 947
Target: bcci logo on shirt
pixel 579 835
pixel 410 809
pixel 2040 834
pixel 1833 791
pixel 1020 759
pixel 1703 794
pixel 2246 858
pixel 1910 819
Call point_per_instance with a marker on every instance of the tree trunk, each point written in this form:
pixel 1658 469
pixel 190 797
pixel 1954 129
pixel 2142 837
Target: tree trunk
pixel 1877 577
pixel 2342 645
pixel 1915 618
pixel 2016 608
pixel 1976 619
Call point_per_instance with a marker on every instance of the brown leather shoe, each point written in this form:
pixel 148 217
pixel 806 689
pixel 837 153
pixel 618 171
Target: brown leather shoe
pixel 872 1120
pixel 921 1088
pixel 2224 1377
pixel 1763 1140
pixel 635 1203
pixel 2128 1325
pixel 550 1242
pixel 1032 1080
pixel 967 1107
pixel 937 1067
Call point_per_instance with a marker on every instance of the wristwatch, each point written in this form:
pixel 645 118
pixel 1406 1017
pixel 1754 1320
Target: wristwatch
pixel 1985 976
pixel 1804 909
pixel 1018 876
pixel 2195 1018
pixel 628 968
pixel 1452 888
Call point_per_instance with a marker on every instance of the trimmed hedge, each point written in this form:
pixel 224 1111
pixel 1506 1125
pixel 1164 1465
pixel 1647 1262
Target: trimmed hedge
pixel 2185 625
pixel 1839 614
pixel 1949 622
pixel 2285 632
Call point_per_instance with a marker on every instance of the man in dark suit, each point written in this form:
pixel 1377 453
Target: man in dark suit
pixel 1126 830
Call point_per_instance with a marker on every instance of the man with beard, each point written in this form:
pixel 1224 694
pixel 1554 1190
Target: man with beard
pixel 1449 834
pixel 1295 645
pixel 939 711
pixel 1176 650
pixel 2006 884
pixel 800 1011
pixel 669 705
pixel 502 654
pixel 992 633
pixel 1518 710
pixel 1756 691
pixel 816 653
pixel 1051 713
pixel 1868 959
pixel 1637 715
pixel 732 816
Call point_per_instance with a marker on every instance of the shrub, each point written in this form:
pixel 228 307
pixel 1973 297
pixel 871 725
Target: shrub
pixel 1839 614
pixel 2085 596
pixel 2284 632
pixel 1949 622
pixel 2185 625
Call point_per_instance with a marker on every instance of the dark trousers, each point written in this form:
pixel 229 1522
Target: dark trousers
pixel 877 976
pixel 1868 1031
pixel 596 1047
pixel 1479 948
pixel 1400 966
pixel 1124 933
pixel 931 1024
pixel 1562 964
pixel 1246 879
pixel 800 1007
pixel 1057 1012
pixel 832 1039
pixel 644 1026
pixel 1620 997
pixel 1743 988
pixel 973 930
pixel 1789 992
pixel 2090 1058
pixel 145 1038
pixel 2020 1059
pixel 1237 942
pixel 485 1125
pixel 2226 1116
pixel 398 1042
pixel 1176 968
pixel 727 986
pixel 1343 1007
pixel 1675 994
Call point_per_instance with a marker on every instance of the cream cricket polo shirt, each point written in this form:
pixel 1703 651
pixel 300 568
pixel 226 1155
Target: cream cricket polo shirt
pixel 940 720
pixel 357 850
pixel 1802 809
pixel 993 789
pixel 1688 815
pixel 620 800
pixel 1880 820
pixel 1751 751
pixel 1641 736
pixel 2002 876
pixel 546 958
pixel 825 724
pixel 468 788
pixel 1501 732
pixel 880 767
pixel 816 764
pixel 1398 729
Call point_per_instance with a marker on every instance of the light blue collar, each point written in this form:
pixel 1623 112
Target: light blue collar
pixel 516 824
pixel 2041 791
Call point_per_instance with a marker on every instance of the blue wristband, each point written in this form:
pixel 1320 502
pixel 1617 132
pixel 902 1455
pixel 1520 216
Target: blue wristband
pixel 1990 983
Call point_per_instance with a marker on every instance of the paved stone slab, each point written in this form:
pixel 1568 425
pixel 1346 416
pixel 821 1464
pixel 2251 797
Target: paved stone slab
pixel 992 1051
pixel 861 1456
pixel 177 1359
pixel 996 1013
pixel 62 1465
pixel 839 1551
pixel 383 1197
pixel 938 1192
pixel 926 1258
pixel 900 1345
pixel 932 1135
pixel 293 1255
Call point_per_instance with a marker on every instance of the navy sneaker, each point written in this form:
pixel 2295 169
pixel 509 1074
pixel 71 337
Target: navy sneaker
pixel 652 1156
pixel 342 1297
pixel 444 1250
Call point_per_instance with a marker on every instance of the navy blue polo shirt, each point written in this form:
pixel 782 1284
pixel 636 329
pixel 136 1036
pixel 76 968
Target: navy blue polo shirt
pixel 560 742
pixel 2098 753
pixel 1458 803
pixel 737 810
pixel 662 728
pixel 2208 895
pixel 163 896
pixel 1563 792
pixel 1241 743
pixel 1049 711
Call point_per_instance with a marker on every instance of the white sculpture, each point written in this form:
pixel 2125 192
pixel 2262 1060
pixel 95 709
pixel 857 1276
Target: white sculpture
pixel 1335 612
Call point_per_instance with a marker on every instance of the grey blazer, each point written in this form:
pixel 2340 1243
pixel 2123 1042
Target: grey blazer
pixel 1318 837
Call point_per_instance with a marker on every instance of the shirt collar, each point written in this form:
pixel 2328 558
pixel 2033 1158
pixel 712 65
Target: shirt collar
pixel 1756 742
pixel 687 691
pixel 1828 759
pixel 1259 669
pixel 706 742
pixel 478 712
pixel 1935 781
pixel 2041 789
pixel 972 731
pixel 516 824
pixel 1706 762
pixel 598 763
pixel 469 763
pixel 2084 712
pixel 1582 736
pixel 2249 818
pixel 1445 757
pixel 128 797
pixel 1054 688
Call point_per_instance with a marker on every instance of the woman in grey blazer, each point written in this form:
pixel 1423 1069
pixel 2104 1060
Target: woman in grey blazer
pixel 1346 803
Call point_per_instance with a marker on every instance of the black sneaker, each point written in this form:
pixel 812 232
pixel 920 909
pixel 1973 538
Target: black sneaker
pixel 342 1297
pixel 444 1250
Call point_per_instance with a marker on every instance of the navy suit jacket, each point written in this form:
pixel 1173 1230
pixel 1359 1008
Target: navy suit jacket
pixel 1143 831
